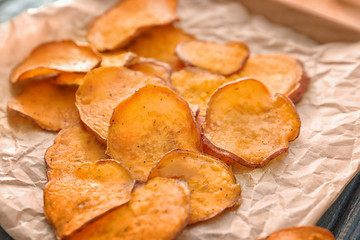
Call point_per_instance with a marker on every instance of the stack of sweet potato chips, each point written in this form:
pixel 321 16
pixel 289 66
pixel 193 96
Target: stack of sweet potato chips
pixel 151 120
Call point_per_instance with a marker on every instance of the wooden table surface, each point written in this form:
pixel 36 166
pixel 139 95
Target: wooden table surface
pixel 322 20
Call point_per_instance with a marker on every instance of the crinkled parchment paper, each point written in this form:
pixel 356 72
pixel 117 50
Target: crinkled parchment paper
pixel 294 190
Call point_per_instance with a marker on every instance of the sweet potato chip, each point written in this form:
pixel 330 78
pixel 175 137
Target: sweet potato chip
pixel 246 124
pixel 158 210
pixel 102 90
pixel 35 73
pixel 56 57
pixel 92 189
pixel 162 122
pixel 196 86
pixel 301 233
pixel 127 19
pixel 69 79
pixel 216 57
pixel 51 106
pixel 211 182
pixel 154 68
pixel 117 59
pixel 279 72
pixel 73 146
pixel 160 43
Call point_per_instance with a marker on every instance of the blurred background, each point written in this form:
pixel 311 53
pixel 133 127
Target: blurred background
pixel 323 20
pixel 11 8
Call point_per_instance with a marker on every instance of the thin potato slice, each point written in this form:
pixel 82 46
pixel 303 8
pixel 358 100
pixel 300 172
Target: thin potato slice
pixel 211 182
pixel 160 43
pixel 69 79
pixel 196 86
pixel 154 68
pixel 280 73
pixel 117 59
pixel 51 106
pixel 73 146
pixel 301 233
pixel 163 122
pixel 246 124
pixel 216 57
pixel 158 210
pixel 102 90
pixel 56 57
pixel 34 73
pixel 92 189
pixel 122 23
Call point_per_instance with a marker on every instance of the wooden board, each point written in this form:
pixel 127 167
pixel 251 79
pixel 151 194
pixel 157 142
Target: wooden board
pixel 322 20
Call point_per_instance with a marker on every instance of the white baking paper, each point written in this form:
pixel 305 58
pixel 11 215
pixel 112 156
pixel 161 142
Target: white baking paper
pixel 294 190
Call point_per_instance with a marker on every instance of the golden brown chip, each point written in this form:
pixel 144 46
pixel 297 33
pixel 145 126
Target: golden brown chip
pixel 211 182
pixel 246 124
pixel 34 73
pixel 73 146
pixel 117 59
pixel 153 68
pixel 301 233
pixel 102 90
pixel 158 210
pixel 144 127
pixel 216 57
pixel 196 86
pixel 127 19
pixel 279 72
pixel 69 79
pixel 160 43
pixel 91 190
pixel 51 106
pixel 56 57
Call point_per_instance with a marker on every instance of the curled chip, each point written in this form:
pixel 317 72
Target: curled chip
pixel 216 57
pixel 127 19
pixel 92 189
pixel 196 86
pixel 73 146
pixel 211 182
pixel 279 72
pixel 301 233
pixel 153 67
pixel 52 58
pixel 51 106
pixel 158 210
pixel 102 90
pixel 163 122
pixel 246 124
pixel 160 43
pixel 69 79
pixel 117 59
